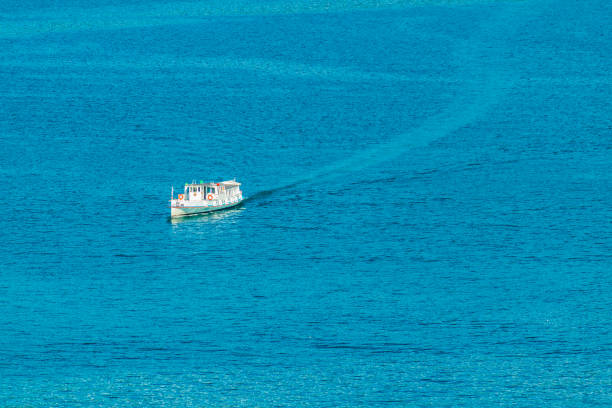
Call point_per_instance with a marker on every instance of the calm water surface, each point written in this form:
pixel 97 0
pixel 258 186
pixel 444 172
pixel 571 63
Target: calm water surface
pixel 429 215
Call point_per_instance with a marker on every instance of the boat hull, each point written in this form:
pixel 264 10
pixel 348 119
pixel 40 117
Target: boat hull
pixel 184 211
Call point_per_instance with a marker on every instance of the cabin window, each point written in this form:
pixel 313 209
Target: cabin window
pixel 198 189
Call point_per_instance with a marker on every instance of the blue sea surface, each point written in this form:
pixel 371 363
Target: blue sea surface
pixel 429 220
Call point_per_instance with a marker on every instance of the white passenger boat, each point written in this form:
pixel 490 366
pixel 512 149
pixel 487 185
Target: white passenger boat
pixel 200 198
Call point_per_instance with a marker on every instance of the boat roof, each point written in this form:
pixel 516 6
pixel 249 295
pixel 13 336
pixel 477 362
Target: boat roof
pixel 228 183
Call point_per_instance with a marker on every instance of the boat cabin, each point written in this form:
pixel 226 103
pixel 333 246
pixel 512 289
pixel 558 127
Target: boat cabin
pixel 224 191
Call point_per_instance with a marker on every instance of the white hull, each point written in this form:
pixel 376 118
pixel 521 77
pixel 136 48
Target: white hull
pixel 177 210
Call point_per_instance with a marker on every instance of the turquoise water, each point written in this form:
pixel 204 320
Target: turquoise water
pixel 429 214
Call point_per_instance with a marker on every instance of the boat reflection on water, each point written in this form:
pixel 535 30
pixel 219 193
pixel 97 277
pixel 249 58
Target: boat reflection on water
pixel 211 217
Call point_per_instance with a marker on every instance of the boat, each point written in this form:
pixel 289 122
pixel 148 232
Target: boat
pixel 201 198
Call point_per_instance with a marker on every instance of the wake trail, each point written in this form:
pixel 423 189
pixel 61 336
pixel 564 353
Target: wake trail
pixel 493 80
